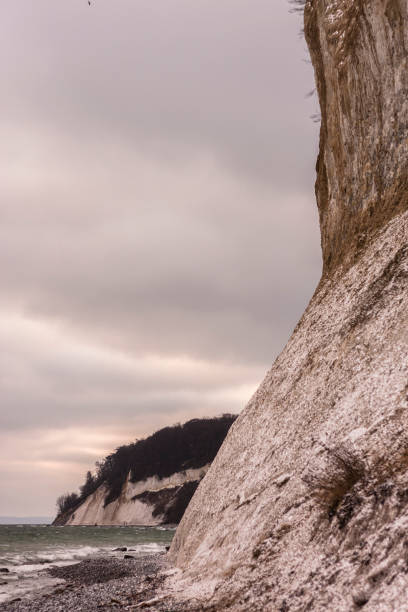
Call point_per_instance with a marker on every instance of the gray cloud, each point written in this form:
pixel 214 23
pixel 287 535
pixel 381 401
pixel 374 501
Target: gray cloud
pixel 158 235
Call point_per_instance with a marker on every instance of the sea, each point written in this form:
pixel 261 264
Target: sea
pixel 26 550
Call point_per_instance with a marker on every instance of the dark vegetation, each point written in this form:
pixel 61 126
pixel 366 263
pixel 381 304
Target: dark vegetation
pixel 170 503
pixel 332 482
pixel 169 450
pixel 67 501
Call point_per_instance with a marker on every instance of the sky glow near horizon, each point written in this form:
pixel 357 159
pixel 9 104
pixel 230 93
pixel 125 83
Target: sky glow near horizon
pixel 159 235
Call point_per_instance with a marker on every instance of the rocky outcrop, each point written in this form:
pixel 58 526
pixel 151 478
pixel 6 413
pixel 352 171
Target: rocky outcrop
pixel 306 506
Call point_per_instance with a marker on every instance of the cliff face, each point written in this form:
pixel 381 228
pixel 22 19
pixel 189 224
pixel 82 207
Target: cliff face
pixel 306 504
pixel 359 52
pixel 154 501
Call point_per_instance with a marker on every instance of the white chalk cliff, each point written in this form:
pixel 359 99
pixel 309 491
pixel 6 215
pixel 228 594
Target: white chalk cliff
pixel 306 505
pixel 139 503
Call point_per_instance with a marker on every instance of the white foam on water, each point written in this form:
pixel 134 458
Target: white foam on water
pixel 151 547
pixel 24 564
pixel 45 556
pixel 166 528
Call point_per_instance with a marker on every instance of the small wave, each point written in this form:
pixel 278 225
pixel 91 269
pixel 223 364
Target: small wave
pixel 73 553
pixel 18 561
pixel 25 563
pixel 27 568
pixel 166 528
pixel 149 548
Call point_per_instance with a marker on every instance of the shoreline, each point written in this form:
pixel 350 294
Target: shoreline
pixel 46 563
pixel 102 584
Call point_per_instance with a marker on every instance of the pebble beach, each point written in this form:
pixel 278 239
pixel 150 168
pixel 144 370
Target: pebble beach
pixel 101 584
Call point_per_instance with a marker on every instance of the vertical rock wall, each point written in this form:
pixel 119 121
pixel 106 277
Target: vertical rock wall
pixel 359 51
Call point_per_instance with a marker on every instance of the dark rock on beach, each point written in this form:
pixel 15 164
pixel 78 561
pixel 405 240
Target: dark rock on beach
pixel 4 570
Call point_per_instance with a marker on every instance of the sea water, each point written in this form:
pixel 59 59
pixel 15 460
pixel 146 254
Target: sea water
pixel 26 550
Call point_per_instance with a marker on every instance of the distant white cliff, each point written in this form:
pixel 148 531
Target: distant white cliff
pixel 148 502
pixel 150 481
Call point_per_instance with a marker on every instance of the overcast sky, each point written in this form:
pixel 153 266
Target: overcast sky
pixel 158 231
